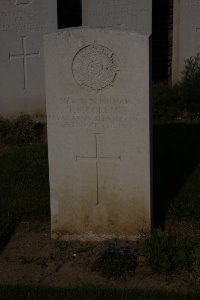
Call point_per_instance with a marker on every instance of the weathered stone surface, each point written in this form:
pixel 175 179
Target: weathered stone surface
pixel 22 26
pixel 97 86
pixel 186 34
pixel 124 14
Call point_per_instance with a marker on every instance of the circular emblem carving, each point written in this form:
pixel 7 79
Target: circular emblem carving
pixel 21 2
pixel 95 66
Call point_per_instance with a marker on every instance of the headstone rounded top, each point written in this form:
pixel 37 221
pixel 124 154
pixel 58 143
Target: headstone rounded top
pixel 21 2
pixel 95 66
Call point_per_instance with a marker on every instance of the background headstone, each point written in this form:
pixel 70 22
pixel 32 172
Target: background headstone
pixel 124 14
pixel 22 26
pixel 97 87
pixel 186 34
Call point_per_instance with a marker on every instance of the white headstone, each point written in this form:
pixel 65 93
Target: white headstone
pixel 22 26
pixel 97 87
pixel 186 34
pixel 124 14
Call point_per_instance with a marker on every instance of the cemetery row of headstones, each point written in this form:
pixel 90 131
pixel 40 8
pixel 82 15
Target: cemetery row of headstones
pixel 97 99
pixel 23 24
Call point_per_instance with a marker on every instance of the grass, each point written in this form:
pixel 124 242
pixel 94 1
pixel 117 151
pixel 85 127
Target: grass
pixel 176 173
pixel 24 177
pixel 24 191
pixel 24 187
pixel 37 293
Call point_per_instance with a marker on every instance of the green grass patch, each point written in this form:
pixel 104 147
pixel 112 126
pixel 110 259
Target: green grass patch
pixel 37 293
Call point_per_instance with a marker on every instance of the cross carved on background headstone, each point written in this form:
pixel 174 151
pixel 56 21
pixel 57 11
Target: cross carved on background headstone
pixel 24 56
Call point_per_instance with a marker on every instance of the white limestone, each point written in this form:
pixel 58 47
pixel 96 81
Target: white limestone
pixel 124 14
pixel 97 87
pixel 22 26
pixel 186 34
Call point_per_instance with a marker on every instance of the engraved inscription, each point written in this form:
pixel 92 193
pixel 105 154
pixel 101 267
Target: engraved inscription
pixel 96 113
pixel 22 21
pixel 116 11
pixel 18 22
pixel 95 66
pixel 24 56
pixel 191 2
pixel 97 159
pixel 21 2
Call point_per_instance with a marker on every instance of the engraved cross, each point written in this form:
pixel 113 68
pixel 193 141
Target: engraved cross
pixel 97 159
pixel 24 56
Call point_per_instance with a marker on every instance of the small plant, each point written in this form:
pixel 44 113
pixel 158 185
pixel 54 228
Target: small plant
pixel 155 248
pixel 182 100
pixel 195 266
pixel 117 260
pixel 165 253
pixel 191 71
pixel 4 130
pixel 183 253
pixel 190 84
pixel 21 131
pixel 167 102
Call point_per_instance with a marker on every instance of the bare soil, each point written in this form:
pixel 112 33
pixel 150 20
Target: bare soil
pixel 31 257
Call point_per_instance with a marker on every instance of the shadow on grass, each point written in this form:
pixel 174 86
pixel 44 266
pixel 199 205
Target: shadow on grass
pixel 24 188
pixel 7 227
pixel 33 293
pixel 24 176
pixel 176 154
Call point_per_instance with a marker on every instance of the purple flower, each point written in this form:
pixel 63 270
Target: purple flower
pixel 114 243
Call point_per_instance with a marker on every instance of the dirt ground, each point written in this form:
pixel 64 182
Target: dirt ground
pixel 30 257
